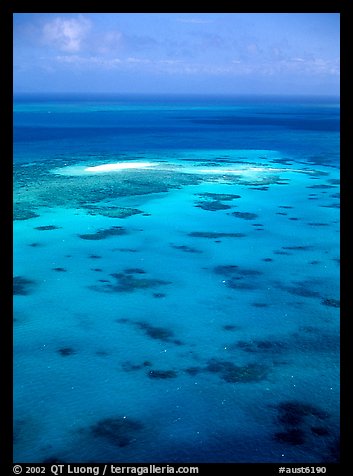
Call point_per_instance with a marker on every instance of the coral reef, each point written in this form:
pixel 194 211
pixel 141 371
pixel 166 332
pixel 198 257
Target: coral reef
pixel 118 431
pixel 245 215
pixel 212 234
pixel 22 286
pixel 212 206
pixel 128 283
pixel 105 233
pixel 159 333
pixel 231 373
pixel 187 249
pixel 162 374
pixel 66 351
pixel 47 227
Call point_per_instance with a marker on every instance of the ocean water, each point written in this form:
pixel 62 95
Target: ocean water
pixel 176 279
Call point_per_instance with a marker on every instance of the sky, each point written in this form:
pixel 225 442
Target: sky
pixel 184 53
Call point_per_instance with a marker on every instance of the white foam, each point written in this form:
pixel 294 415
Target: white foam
pixel 118 166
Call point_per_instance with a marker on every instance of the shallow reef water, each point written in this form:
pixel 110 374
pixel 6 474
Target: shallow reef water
pixel 183 311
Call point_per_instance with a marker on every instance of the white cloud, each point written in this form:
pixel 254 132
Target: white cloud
pixel 196 21
pixel 66 34
pixel 88 62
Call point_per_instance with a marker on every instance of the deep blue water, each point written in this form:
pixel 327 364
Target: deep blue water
pixel 183 308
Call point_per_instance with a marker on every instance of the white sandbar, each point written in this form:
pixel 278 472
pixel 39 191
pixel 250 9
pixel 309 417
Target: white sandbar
pixel 119 166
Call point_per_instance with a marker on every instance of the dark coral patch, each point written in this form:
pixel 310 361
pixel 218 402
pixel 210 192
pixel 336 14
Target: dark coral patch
pixel 232 269
pixel 302 291
pixel 193 370
pixel 318 224
pixel 162 374
pixel 22 213
pixel 295 412
pixel 230 327
pixel 134 271
pixel 129 283
pixel 237 283
pixel 320 431
pixel 118 431
pixel 260 188
pixel 331 205
pixel 223 197
pixel 113 212
pixel 231 373
pixel 262 346
pixel 321 186
pixel 297 247
pixel 105 233
pixel 122 320
pixel 212 206
pixel 212 234
pixel 245 215
pixel 130 367
pixel 226 270
pixel 47 227
pixel 187 249
pixel 331 302
pixel 22 286
pixel 293 436
pixel 159 333
pixel 236 276
pixel 66 351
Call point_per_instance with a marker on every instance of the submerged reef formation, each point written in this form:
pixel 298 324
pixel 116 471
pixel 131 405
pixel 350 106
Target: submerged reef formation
pixel 113 212
pixel 212 206
pixel 237 277
pixel 214 201
pixel 130 367
pixel 162 334
pixel 22 211
pixel 159 333
pixel 303 423
pixel 66 351
pixel 47 227
pixel 162 374
pixel 22 286
pixel 263 346
pixel 214 235
pixel 126 283
pixel 245 215
pixel 223 197
pixel 186 248
pixel 46 184
pixel 102 234
pixel 118 431
pixel 232 373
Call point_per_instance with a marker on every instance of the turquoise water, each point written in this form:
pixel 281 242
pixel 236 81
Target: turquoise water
pixel 185 307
